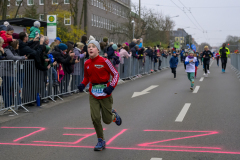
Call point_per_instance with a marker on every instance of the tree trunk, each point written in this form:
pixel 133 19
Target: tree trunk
pixel 85 16
pixel 18 9
pixel 4 9
pixel 81 17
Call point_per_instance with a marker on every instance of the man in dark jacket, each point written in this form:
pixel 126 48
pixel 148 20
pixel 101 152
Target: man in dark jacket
pixel 85 49
pixel 149 52
pixel 24 46
pixel 133 43
pixel 134 51
pixel 110 52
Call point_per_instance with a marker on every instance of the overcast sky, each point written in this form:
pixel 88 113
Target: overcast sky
pixel 218 18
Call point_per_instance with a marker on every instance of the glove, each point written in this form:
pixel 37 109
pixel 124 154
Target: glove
pixel 81 87
pixel 108 90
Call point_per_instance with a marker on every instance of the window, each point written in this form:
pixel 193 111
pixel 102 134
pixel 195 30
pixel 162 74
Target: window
pixel 54 1
pixel 67 20
pixel 41 2
pixel 92 2
pixel 97 3
pixel 66 2
pixel 17 2
pixel 94 16
pixel 8 3
pixel 96 21
pixel 92 20
pixel 41 17
pixel 29 2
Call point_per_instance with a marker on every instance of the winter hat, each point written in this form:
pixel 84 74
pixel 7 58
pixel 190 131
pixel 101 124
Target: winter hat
pixel 10 28
pixel 6 23
pixel 62 46
pixel 37 24
pixel 191 51
pixel 114 46
pixel 95 43
pixel 105 39
pixel 127 43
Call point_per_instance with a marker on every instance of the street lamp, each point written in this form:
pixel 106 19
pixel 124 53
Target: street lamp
pixel 133 22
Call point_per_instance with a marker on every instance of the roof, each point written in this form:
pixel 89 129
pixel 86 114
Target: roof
pixel 26 22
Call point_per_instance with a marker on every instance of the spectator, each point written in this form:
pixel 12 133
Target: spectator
pixel 124 54
pixel 102 46
pixel 8 72
pixel 134 51
pixel 7 39
pixel 127 44
pixel 24 46
pixel 116 57
pixel 159 59
pixel 133 43
pixel 57 40
pixel 34 30
pixel 2 53
pixel 119 47
pixel 4 26
pixel 110 52
pixel 105 39
pixel 139 43
pixel 52 46
pixel 85 49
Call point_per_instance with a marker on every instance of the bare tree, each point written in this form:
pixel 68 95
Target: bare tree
pixel 3 5
pixel 18 8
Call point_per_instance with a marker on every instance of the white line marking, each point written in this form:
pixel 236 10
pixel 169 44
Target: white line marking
pixel 196 89
pixel 156 159
pixel 201 79
pixel 145 91
pixel 183 112
pixel 211 63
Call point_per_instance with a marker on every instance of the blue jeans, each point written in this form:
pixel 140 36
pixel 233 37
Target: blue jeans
pixel 7 91
pixel 54 75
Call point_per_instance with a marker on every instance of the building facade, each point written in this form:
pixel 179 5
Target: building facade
pixel 100 17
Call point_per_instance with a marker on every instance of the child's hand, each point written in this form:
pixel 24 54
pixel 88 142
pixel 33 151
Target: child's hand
pixel 197 67
pixel 48 66
pixel 47 60
pixel 55 63
pixel 77 61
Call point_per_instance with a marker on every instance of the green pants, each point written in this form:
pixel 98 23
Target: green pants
pixel 98 106
pixel 191 77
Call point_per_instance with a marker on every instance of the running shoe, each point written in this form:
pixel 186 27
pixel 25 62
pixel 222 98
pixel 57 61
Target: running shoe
pixel 100 145
pixel 223 70
pixel 208 72
pixel 118 119
pixel 204 74
pixel 191 88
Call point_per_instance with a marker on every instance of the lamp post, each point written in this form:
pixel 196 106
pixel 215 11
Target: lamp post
pixel 133 22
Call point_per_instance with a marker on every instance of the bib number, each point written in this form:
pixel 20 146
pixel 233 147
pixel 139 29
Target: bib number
pixel 97 90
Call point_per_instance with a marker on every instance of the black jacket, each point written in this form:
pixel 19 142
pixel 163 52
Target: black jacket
pixel 134 52
pixel 131 45
pixel 208 54
pixel 36 54
pixel 85 49
pixel 110 52
pixel 149 53
pixel 64 59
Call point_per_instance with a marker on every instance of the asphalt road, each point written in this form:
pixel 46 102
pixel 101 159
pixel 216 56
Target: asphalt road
pixel 170 123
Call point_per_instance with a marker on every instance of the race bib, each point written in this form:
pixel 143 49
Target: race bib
pixel 97 90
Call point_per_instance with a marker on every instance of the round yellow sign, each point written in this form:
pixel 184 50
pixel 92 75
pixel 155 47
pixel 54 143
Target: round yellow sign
pixel 51 19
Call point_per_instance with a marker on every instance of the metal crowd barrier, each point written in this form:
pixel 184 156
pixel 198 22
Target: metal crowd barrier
pixel 235 61
pixel 21 82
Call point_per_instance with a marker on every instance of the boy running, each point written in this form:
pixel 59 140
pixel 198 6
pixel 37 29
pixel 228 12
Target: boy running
pixel 97 71
pixel 173 64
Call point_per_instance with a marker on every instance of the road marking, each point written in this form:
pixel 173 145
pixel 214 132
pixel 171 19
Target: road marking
pixel 196 89
pixel 145 91
pixel 156 159
pixel 183 112
pixel 211 63
pixel 201 79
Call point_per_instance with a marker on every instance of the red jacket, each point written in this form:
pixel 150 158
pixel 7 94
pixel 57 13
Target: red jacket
pixel 97 71
pixel 3 34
